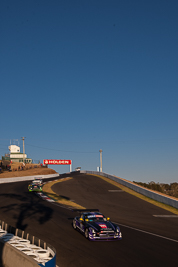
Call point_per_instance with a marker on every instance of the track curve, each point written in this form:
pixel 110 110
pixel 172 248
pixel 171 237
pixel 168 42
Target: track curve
pixel 52 223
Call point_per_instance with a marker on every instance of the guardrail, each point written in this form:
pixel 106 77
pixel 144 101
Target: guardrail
pixel 19 248
pixel 146 192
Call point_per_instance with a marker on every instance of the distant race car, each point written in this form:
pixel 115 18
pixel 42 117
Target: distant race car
pixel 34 187
pixel 37 181
pixel 95 226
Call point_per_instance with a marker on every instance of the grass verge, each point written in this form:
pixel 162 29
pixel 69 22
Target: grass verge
pixel 59 199
pixel 130 191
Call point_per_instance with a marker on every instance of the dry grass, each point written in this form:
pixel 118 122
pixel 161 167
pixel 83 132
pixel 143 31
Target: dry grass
pixel 59 199
pixel 31 169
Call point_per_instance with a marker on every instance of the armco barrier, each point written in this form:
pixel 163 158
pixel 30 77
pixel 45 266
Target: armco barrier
pixel 146 192
pixel 12 257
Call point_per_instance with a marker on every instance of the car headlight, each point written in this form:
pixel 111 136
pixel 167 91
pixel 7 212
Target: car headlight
pixel 117 229
pixel 93 231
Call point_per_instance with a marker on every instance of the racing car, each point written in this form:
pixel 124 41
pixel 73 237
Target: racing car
pixel 34 187
pixel 37 181
pixel 95 226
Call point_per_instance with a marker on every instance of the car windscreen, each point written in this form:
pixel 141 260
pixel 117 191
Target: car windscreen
pixel 93 218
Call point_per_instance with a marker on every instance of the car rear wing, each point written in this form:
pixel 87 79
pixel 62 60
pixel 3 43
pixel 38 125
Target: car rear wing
pixel 84 210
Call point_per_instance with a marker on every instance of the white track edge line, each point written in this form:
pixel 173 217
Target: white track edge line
pixel 148 233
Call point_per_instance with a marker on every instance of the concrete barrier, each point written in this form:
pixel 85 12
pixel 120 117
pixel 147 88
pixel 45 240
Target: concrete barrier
pixel 146 192
pixel 11 257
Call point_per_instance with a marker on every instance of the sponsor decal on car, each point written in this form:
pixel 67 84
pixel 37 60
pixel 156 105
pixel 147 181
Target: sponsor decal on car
pixel 95 216
pixel 102 225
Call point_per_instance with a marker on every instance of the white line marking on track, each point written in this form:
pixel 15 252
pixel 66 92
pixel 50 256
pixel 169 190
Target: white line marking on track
pixel 148 233
pixel 166 216
pixel 44 197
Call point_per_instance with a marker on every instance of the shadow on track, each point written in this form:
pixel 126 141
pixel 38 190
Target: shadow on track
pixel 23 208
pixel 26 207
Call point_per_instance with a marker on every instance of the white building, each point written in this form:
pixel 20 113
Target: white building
pixel 16 156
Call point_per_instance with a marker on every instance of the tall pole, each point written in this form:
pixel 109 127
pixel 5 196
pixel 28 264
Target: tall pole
pixel 23 139
pixel 71 166
pixel 101 167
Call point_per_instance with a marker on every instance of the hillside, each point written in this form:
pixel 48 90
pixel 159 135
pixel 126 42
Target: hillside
pixel 18 170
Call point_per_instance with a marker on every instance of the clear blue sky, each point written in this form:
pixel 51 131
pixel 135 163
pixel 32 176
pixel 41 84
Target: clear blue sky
pixel 78 76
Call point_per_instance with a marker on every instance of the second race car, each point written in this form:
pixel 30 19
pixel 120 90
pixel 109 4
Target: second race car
pixel 34 187
pixel 95 226
pixel 37 181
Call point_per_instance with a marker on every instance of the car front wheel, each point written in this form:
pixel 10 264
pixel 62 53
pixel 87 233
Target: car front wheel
pixel 74 224
pixel 86 233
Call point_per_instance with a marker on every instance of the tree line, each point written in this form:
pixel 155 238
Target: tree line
pixel 168 189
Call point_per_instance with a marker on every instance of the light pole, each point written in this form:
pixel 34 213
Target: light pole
pixel 101 167
pixel 71 166
pixel 23 139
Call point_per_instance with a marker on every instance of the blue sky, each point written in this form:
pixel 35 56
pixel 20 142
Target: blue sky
pixel 78 76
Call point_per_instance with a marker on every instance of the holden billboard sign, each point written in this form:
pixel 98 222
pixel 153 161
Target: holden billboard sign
pixel 57 162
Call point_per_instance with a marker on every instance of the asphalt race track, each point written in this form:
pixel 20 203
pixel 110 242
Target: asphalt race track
pixel 155 245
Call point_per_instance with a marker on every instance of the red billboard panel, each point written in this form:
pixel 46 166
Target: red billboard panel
pixel 56 162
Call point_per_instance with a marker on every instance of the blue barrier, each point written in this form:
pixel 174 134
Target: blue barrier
pixel 51 263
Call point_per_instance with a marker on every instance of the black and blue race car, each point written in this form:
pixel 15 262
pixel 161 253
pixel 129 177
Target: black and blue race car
pixel 95 226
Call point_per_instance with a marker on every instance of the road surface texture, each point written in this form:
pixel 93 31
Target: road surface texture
pixel 154 245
